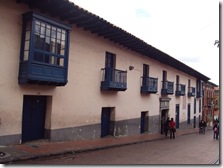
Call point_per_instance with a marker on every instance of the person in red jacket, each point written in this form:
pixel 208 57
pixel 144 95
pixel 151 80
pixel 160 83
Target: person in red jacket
pixel 172 126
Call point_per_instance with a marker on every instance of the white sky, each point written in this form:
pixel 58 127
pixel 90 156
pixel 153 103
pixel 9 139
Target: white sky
pixel 184 29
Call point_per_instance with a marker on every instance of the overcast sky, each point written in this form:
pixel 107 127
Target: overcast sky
pixel 184 29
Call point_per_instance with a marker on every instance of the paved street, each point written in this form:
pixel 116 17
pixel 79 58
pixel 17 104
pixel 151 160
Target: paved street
pixel 187 149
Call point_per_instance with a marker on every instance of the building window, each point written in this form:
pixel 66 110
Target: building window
pixel 199 105
pixel 49 44
pixel 44 50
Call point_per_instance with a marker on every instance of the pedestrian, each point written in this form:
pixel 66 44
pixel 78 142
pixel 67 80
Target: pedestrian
pixel 202 126
pixel 216 130
pixel 172 128
pixel 166 126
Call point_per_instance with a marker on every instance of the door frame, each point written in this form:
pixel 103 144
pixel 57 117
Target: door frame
pixel 144 122
pixel 106 126
pixel 164 116
pixel 177 117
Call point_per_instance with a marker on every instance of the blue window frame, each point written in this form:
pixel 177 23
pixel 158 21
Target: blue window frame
pixel 44 50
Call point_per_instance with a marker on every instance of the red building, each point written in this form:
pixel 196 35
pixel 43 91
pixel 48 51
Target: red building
pixel 210 103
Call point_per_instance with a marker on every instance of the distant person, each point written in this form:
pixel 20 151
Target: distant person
pixel 216 130
pixel 166 126
pixel 172 126
pixel 202 126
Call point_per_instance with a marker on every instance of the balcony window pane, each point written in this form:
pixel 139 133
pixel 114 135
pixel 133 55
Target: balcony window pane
pixel 38 56
pixel 58 48
pixel 26 45
pixel 61 62
pixel 26 55
pixel 27 35
pixel 63 35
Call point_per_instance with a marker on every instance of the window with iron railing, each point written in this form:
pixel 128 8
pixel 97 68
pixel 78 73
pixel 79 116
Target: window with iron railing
pixel 114 79
pixel 168 87
pixel 149 84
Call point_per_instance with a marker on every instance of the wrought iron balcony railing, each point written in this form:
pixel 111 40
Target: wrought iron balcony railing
pixel 191 91
pixel 180 90
pixel 113 79
pixel 167 87
pixel 149 84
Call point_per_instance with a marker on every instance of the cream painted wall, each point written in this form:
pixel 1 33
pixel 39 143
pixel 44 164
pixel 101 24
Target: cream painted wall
pixel 80 101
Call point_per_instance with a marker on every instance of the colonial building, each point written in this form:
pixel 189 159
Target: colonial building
pixel 67 74
pixel 216 103
pixel 210 103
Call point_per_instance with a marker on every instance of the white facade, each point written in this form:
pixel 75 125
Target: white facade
pixel 79 103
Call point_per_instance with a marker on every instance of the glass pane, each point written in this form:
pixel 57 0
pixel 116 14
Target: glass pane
pixel 52 59
pixel 42 31
pixel 39 42
pixel 27 35
pixel 38 56
pixel 26 55
pixel 26 45
pixel 48 30
pixel 47 44
pixel 48 40
pixel 63 35
pixel 61 62
pixel 53 33
pixel 47 59
pixel 52 45
pixel 37 29
pixel 58 47
pixel 62 52
pixel 58 35
pixel 28 25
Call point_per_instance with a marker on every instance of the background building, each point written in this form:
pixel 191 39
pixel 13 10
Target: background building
pixel 210 103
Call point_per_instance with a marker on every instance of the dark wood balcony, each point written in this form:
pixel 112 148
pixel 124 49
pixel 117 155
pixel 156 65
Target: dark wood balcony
pixel 180 90
pixel 42 74
pixel 167 88
pixel 149 85
pixel 191 91
pixel 113 80
pixel 199 94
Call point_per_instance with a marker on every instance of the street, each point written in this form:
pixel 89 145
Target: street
pixel 187 149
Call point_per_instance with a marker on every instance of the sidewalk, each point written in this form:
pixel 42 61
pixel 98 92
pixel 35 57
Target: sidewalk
pixel 38 149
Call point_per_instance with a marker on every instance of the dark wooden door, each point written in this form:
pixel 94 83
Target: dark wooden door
pixel 177 115
pixel 144 122
pixel 33 119
pixel 105 121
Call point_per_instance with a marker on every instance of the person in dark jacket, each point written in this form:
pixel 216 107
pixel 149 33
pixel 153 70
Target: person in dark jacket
pixel 202 126
pixel 172 126
pixel 166 126
pixel 216 130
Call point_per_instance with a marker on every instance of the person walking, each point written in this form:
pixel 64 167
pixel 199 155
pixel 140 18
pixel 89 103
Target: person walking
pixel 202 126
pixel 172 126
pixel 216 130
pixel 166 126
